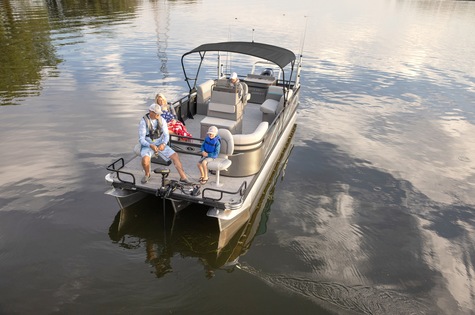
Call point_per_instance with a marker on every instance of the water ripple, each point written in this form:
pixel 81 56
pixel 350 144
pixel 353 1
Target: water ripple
pixel 358 298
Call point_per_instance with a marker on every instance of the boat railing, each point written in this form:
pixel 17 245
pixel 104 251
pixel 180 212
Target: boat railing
pixel 116 167
pixel 289 103
pixel 278 124
pixel 241 191
pixel 185 106
pixel 186 145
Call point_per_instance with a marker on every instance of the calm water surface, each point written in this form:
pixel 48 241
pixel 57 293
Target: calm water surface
pixel 375 213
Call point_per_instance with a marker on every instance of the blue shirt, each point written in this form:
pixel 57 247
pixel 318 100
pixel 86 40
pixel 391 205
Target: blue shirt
pixel 143 130
pixel 211 146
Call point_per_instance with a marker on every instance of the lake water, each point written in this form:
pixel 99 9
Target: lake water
pixel 375 213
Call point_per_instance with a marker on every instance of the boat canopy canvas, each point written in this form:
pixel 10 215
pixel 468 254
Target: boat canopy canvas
pixel 278 55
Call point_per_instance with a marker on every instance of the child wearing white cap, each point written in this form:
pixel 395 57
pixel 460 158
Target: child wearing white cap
pixel 209 151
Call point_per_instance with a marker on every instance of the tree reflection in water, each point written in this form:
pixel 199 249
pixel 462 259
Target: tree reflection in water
pixel 28 35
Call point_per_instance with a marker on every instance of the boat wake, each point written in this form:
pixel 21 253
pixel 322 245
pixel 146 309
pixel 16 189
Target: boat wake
pixel 359 298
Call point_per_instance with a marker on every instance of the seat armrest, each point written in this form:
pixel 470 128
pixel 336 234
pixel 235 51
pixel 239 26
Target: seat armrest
pixel 269 106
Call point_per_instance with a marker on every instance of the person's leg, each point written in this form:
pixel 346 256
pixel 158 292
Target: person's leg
pixel 200 167
pixel 205 169
pixel 146 154
pixel 176 160
pixel 169 153
pixel 146 165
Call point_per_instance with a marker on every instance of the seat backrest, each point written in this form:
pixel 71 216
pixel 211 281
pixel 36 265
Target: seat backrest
pixel 228 97
pixel 281 102
pixel 245 91
pixel 245 88
pixel 227 143
pixel 223 82
pixel 251 140
pixel 204 92
pixel 225 104
pixel 274 92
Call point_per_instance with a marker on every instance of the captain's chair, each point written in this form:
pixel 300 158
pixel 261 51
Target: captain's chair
pixel 246 96
pixel 222 162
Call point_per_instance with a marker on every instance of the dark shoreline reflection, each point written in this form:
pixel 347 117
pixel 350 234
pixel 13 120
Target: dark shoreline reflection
pixel 29 45
pixel 28 54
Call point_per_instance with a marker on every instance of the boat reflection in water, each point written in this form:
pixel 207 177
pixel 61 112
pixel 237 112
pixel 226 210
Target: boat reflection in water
pixel 191 233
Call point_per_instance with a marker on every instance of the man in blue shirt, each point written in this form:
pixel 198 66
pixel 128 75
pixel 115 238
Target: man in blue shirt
pixel 153 138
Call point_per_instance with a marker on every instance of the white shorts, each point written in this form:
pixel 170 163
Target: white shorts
pixel 207 159
pixel 165 154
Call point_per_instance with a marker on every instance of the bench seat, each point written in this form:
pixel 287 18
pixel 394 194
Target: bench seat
pixel 252 140
pixel 269 106
pixel 232 125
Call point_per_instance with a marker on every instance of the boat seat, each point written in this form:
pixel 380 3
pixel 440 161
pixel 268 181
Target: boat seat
pixel 203 95
pixel 224 85
pixel 270 108
pixel 275 92
pixel 250 141
pixel 246 96
pixel 222 82
pixel 225 103
pixel 222 162
pixel 232 125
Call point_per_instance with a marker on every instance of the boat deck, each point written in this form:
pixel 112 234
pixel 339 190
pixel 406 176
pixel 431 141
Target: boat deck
pixel 230 188
pixel 252 118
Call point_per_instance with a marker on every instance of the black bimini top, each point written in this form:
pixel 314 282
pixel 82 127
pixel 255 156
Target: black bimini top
pixel 278 55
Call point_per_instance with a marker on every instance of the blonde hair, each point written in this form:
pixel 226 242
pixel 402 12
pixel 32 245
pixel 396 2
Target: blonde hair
pixel 160 95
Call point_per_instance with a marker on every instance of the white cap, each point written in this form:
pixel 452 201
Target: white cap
pixel 233 75
pixel 156 109
pixel 213 130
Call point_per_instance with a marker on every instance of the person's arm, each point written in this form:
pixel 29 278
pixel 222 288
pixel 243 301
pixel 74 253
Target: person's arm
pixel 172 110
pixel 203 152
pixel 143 133
pixel 217 148
pixel 165 133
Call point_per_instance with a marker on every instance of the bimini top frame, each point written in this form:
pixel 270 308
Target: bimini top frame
pixel 278 55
